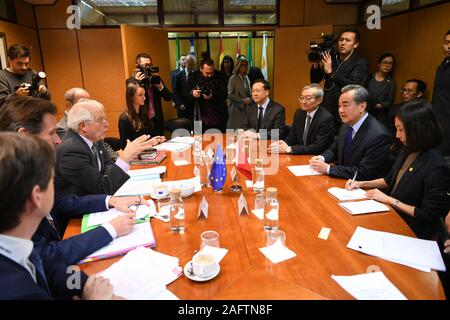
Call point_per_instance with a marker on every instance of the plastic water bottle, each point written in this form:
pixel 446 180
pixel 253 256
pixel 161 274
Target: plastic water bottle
pixel 271 210
pixel 197 150
pixel 258 179
pixel 177 215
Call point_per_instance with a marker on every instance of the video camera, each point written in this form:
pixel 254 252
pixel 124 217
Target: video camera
pixel 150 73
pixel 34 85
pixel 317 50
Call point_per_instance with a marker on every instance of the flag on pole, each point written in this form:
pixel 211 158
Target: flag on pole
pixel 250 51
pixel 220 50
pixel 178 52
pixel 264 57
pixel 238 47
pixel 218 174
pixel 208 49
pixel 192 50
pixel 242 163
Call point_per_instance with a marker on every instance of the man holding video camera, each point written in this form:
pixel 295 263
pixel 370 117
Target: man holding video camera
pixel 147 75
pixel 206 94
pixel 18 79
pixel 338 70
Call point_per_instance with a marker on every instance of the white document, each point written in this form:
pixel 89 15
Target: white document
pixel 277 252
pixel 141 275
pixel 369 286
pixel 133 187
pixel 141 211
pixel 141 235
pixel 416 253
pixel 188 140
pixel 303 170
pixel 343 194
pixel 218 253
pixel 362 207
pixel 172 146
pixel 179 163
pixel 147 172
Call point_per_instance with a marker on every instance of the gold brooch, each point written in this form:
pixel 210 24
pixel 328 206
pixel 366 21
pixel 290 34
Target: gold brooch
pixel 411 169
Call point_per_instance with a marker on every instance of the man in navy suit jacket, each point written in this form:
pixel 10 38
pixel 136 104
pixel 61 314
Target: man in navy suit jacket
pixel 26 197
pixel 313 128
pixel 362 146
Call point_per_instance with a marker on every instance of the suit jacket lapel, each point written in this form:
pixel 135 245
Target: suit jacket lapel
pixel 301 126
pixel 266 122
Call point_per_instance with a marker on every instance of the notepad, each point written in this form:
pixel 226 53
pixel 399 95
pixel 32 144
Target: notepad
pixel 369 286
pixel 141 235
pixel 362 207
pixel 303 170
pixel 344 194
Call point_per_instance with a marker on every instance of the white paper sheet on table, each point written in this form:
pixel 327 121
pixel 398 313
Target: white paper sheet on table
pixel 172 146
pixel 133 187
pixel 188 140
pixel 369 286
pixel 343 194
pixel 416 253
pixel 277 252
pixel 303 170
pixel 141 211
pixel 362 207
pixel 147 171
pixel 143 275
pixel 179 163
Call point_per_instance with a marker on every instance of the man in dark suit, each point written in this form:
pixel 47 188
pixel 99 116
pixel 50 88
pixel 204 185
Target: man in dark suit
pixel 26 197
pixel 154 91
pixel 180 86
pixel 362 146
pixel 83 165
pixel 339 70
pixel 206 94
pixel 264 116
pixel 174 73
pixel 312 131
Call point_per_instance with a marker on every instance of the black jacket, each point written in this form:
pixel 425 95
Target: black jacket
pixel 320 134
pixel 274 118
pixel 441 103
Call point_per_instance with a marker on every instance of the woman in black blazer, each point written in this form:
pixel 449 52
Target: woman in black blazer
pixel 132 123
pixel 417 184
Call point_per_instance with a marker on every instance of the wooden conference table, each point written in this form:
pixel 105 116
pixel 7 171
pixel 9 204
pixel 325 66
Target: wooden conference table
pixel 305 207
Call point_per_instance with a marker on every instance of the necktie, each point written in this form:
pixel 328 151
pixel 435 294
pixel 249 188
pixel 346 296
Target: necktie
pixel 41 279
pixel 151 108
pixel 347 145
pixel 260 118
pixel 97 157
pixel 305 133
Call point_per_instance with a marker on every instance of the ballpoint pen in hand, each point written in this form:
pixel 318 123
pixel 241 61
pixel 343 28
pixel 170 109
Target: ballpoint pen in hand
pixel 354 177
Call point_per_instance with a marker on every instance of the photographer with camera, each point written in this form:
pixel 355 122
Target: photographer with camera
pixel 338 68
pixel 206 95
pixel 147 75
pixel 18 79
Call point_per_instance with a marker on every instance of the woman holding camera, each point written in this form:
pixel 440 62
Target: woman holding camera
pixel 238 95
pixel 381 87
pixel 132 123
pixel 417 185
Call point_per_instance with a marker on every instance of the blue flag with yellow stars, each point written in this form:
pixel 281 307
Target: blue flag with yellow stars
pixel 218 174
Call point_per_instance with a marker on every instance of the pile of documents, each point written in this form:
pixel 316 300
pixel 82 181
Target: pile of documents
pixel 141 181
pixel 362 207
pixel 177 144
pixel 343 194
pixel 142 274
pixel 412 252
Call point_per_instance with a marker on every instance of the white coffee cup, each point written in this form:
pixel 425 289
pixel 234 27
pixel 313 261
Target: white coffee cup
pixel 204 265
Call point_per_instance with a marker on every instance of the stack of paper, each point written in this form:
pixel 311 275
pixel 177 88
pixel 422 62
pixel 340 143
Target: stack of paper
pixel 187 139
pixel 362 207
pixel 415 253
pixel 277 252
pixel 141 235
pixel 143 274
pixel 172 146
pixel 369 286
pixel 344 194
pixel 139 186
pixel 93 220
pixel 147 172
pixel 303 170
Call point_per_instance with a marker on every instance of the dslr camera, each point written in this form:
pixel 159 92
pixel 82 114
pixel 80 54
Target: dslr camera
pixel 34 85
pixel 317 50
pixel 205 87
pixel 150 73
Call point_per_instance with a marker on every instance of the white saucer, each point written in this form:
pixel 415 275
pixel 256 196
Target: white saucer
pixel 193 277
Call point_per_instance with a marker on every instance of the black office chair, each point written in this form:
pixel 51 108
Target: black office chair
pixel 179 127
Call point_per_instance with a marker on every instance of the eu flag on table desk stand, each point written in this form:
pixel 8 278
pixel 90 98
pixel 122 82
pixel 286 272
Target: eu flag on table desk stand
pixel 218 174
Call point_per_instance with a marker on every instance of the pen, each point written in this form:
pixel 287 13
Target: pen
pixel 354 177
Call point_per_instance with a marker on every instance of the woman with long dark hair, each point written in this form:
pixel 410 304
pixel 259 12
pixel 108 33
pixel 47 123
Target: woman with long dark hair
pixel 417 184
pixel 227 66
pixel 132 123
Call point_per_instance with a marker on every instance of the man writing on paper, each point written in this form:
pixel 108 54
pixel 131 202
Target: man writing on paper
pixel 312 131
pixel 362 144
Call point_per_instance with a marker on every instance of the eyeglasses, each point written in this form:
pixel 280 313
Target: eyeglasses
pixel 388 63
pixel 306 99
pixel 403 90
